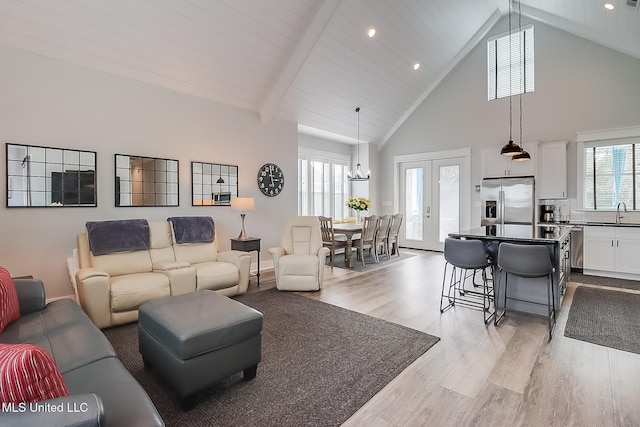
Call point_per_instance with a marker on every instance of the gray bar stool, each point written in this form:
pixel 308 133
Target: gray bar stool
pixel 466 258
pixel 529 262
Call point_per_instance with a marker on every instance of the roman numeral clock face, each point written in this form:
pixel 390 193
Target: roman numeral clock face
pixel 270 179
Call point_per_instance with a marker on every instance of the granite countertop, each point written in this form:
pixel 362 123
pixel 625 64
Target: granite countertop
pixel 513 232
pixel 591 223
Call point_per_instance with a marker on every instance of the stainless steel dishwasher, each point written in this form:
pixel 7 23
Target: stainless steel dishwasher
pixel 577 232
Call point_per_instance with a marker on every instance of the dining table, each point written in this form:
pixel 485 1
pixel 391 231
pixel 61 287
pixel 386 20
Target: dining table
pixel 349 229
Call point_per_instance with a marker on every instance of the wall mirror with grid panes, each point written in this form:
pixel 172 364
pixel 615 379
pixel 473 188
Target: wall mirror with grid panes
pixel 213 184
pixel 145 181
pixel 50 177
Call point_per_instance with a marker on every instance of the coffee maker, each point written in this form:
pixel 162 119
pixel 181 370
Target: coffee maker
pixel 546 213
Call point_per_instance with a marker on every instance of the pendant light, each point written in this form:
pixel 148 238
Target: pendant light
pixel 510 148
pixel 359 175
pixel 524 155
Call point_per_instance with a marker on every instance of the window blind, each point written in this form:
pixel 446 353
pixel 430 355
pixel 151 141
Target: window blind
pixel 611 175
pixel 520 62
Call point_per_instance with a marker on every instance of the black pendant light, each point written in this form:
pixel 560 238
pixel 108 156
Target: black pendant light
pixel 524 155
pixel 358 175
pixel 510 148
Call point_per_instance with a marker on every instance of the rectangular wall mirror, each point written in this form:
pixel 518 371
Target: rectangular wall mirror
pixel 213 184
pixel 146 181
pixel 50 177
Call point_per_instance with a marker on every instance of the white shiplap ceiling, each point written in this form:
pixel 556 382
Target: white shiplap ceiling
pixel 307 61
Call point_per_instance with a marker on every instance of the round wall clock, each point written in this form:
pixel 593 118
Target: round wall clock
pixel 270 179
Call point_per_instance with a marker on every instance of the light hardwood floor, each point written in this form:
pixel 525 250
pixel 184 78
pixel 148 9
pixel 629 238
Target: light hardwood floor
pixel 479 375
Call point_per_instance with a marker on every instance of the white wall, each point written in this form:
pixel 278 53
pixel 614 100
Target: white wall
pixel 52 103
pixel 580 86
pixel 322 144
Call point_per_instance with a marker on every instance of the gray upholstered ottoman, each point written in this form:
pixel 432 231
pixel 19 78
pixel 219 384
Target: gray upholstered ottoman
pixel 196 339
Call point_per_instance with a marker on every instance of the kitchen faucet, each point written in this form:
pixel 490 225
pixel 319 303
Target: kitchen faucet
pixel 618 216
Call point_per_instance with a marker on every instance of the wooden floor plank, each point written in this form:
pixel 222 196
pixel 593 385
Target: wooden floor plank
pixel 513 370
pixel 625 387
pixel 444 407
pixel 494 407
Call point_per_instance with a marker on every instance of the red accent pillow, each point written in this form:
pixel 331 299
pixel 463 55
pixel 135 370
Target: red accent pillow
pixel 29 374
pixel 9 306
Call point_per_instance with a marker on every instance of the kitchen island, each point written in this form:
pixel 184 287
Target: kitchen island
pixel 523 295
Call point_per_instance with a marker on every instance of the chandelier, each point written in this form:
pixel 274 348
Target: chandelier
pixel 358 175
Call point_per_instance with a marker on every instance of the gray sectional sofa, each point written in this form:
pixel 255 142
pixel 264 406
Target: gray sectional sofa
pixel 103 392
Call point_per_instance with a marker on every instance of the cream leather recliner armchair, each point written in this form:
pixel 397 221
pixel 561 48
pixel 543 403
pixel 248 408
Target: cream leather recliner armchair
pixel 300 259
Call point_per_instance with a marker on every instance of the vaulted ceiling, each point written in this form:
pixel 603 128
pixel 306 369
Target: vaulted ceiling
pixel 306 61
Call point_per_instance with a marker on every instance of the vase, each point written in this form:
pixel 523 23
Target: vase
pixel 359 217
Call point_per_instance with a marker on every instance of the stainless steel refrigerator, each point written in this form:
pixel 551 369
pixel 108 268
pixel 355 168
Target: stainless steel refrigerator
pixel 508 201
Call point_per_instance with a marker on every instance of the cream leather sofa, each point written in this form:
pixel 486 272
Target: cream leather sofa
pixel 111 287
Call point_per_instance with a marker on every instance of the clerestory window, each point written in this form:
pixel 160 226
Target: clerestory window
pixel 511 71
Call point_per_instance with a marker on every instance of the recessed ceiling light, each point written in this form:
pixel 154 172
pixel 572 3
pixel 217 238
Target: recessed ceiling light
pixel 371 32
pixel 609 6
pixel 416 66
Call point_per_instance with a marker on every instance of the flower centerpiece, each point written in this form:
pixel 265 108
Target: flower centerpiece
pixel 358 204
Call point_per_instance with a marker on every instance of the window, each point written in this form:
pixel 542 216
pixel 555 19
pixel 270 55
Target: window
pixel 519 61
pixel 611 175
pixel 322 184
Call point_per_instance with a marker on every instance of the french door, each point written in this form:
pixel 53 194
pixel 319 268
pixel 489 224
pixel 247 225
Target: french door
pixel 434 197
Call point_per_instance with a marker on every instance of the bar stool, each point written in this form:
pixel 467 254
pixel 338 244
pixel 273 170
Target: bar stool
pixel 529 262
pixel 466 258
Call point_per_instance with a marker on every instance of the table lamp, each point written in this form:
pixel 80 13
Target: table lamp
pixel 242 205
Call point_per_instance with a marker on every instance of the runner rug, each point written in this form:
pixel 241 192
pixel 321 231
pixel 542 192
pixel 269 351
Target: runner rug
pixel 603 317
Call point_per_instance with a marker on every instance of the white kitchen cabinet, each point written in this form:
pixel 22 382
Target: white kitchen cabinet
pixel 599 249
pixel 496 166
pixel 552 170
pixel 627 250
pixel 612 249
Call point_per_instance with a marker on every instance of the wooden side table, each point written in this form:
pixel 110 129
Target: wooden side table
pixel 247 245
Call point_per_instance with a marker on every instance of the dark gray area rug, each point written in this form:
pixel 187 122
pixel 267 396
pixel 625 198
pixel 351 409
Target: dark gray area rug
pixel 369 262
pixel 604 281
pixel 320 363
pixel 603 317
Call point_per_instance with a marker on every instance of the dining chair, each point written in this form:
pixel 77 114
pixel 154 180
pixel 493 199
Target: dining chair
pixel 367 238
pixel 330 239
pixel 382 235
pixel 393 242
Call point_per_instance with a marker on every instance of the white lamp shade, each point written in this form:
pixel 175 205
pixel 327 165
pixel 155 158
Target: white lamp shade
pixel 243 204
